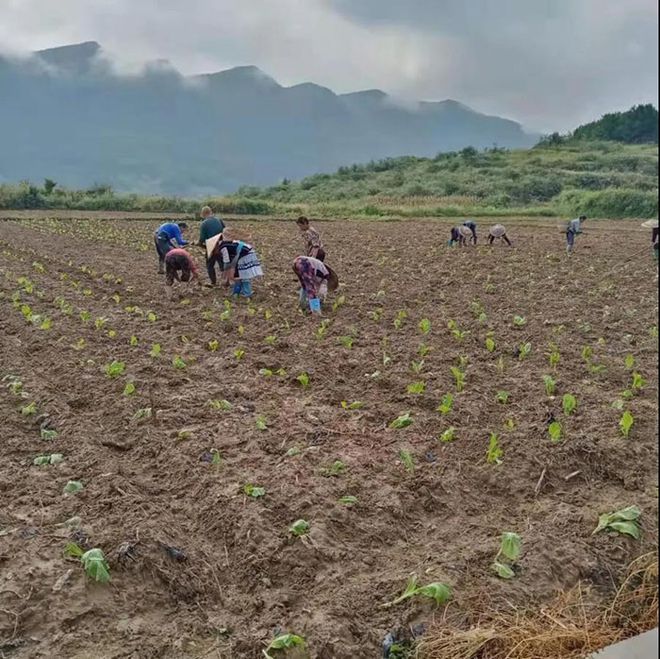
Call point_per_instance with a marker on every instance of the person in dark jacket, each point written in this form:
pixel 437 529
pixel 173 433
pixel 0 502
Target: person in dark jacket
pixel 472 225
pixel 166 237
pixel 210 227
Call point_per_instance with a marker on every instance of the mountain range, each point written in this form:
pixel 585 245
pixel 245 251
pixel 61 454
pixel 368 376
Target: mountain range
pixel 67 115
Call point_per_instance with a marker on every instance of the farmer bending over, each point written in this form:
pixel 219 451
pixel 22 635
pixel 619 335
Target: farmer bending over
pixel 316 279
pixel 460 235
pixel 166 237
pixel 573 228
pixel 240 265
pixel 498 231
pixel 210 227
pixel 179 266
pixel 472 225
pixel 312 238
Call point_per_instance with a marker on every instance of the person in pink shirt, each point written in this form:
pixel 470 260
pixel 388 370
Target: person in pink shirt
pixel 180 266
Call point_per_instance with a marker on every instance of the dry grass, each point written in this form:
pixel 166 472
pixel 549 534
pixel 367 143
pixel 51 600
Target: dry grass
pixel 568 628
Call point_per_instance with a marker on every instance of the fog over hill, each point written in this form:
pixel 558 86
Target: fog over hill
pixel 67 115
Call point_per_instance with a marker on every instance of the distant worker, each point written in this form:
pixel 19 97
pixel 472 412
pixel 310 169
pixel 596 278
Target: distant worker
pixel 498 231
pixel 316 279
pixel 312 238
pixel 166 237
pixel 460 234
pixel 240 265
pixel 210 231
pixel 179 266
pixel 472 225
pixel 653 225
pixel 573 228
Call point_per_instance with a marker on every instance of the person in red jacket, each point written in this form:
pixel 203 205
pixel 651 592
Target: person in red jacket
pixel 179 266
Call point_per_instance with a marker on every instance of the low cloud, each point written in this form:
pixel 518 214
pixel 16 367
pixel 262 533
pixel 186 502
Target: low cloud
pixel 550 64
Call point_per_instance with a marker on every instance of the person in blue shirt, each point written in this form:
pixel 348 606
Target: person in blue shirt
pixel 166 237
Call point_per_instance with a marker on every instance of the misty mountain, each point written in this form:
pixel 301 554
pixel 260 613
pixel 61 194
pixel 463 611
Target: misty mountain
pixel 66 115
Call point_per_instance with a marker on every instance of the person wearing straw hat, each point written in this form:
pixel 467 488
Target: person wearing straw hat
pixel 472 225
pixel 316 279
pixel 498 231
pixel 210 231
pixel 240 265
pixel 573 229
pixel 460 235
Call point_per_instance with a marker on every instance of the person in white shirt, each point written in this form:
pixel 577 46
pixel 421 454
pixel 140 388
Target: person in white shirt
pixel 573 228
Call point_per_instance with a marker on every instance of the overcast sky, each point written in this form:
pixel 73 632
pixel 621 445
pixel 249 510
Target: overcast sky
pixel 550 64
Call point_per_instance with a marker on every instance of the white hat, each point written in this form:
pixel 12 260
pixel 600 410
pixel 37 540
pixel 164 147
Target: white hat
pixel 497 231
pixel 650 224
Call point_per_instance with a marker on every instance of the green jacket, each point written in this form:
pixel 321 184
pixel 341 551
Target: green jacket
pixel 210 227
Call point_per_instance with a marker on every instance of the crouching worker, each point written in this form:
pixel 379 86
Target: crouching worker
pixel 472 225
pixel 166 237
pixel 573 229
pixel 498 231
pixel 316 279
pixel 460 235
pixel 179 266
pixel 240 265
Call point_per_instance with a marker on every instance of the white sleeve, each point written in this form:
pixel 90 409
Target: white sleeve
pixel 224 252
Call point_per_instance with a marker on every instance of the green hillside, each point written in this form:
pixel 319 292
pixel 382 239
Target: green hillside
pixel 601 179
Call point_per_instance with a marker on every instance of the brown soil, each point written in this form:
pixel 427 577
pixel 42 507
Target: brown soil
pixel 148 483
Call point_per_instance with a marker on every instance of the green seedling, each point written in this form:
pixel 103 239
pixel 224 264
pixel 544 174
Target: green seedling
pixel 293 451
pixel 417 366
pixel 216 458
pixel 213 345
pixel 424 326
pixel 116 298
pixel 303 380
pixel 133 340
pixel 283 642
pixel 519 321
pixel 494 453
pixel 524 349
pixel 587 353
pixel 114 369
pixel 270 340
pixel 348 500
pixel 510 424
pixel 637 382
pixel 459 378
pixel 416 387
pixel 47 324
pixel 261 423
pixel 322 329
pixel 446 404
pixel 155 350
pixel 129 389
pixel 241 330
pixel 401 315
pixel 223 405
pixel 239 354
pixel 335 469
pixel 436 591
pixel 555 432
pixel 100 323
pixel 448 435
pixel 569 404
pixel 339 302
pixel 142 414
pixel 355 405
pixel 407 460
pixel 624 521
pixel 266 372
pixel 630 362
pixel 402 421
pixel 490 344
pixel 178 362
pixel 346 341
pixel 47 434
pixel 95 565
pixel 502 397
pixel 376 314
pixel 280 372
pixel 152 317
pixel 626 423
pixel 254 491
pixel 550 385
pixel 423 350
pixel 72 487
pixel 510 547
pixel 52 459
pixel 29 409
pixel 299 527
pixel 268 314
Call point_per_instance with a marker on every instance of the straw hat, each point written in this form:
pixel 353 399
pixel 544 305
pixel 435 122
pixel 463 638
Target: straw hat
pixel 333 279
pixel 465 231
pixel 497 230
pixel 650 224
